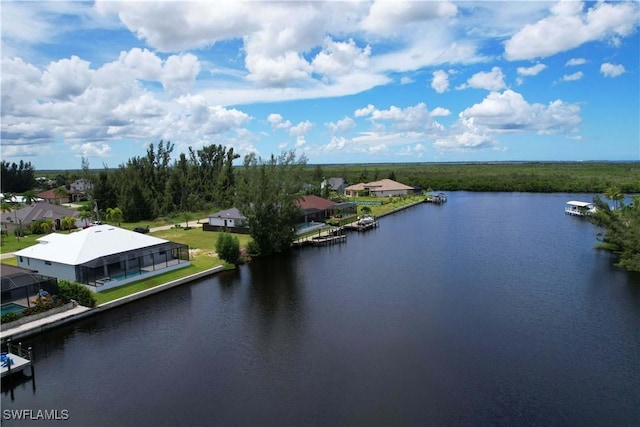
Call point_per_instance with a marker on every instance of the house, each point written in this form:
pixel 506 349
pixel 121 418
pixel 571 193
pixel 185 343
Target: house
pixel 12 220
pixel 52 196
pixel 78 189
pixel 20 285
pixel 335 184
pixel 230 220
pixel 382 188
pixel 316 209
pixel 103 256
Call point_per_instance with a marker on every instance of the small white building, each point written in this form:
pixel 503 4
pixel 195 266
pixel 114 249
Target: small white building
pixel 103 256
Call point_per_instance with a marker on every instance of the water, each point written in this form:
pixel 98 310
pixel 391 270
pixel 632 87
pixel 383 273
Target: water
pixel 11 308
pixel 491 309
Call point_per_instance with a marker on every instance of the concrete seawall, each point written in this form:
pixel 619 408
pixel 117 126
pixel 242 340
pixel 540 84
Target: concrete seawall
pixel 80 312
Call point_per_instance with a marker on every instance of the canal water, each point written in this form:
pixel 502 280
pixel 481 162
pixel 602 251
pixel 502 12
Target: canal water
pixel 492 309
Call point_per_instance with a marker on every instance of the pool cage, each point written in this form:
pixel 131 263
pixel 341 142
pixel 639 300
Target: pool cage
pixel 20 285
pixel 125 265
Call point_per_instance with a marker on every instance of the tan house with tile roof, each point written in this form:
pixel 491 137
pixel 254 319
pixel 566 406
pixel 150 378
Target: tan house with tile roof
pixel 382 188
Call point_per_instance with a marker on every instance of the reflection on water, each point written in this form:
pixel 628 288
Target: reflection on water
pixel 491 309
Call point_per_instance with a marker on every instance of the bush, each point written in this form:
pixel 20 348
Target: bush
pixel 10 317
pixel 253 248
pixel 228 248
pixel 68 291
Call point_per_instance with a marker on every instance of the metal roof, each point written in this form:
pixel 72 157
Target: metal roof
pixel 580 204
pixel 83 246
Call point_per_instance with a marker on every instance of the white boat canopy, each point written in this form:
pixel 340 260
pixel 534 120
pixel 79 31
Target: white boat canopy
pixel 580 204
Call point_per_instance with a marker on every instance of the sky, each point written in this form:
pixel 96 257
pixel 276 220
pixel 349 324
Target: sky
pixel 336 81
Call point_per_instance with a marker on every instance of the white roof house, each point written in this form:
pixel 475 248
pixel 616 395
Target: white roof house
pixel 382 188
pixel 102 256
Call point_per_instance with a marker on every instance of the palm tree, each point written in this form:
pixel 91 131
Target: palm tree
pixel 115 215
pixel 67 223
pixel 29 197
pixel 86 214
pixel 614 193
pixel 61 192
pixel 47 225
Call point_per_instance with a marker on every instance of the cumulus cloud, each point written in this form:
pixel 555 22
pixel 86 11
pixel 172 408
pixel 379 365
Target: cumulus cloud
pixel 569 26
pixel 343 125
pixel 278 122
pixel 66 78
pixel 361 112
pixel 529 71
pixel 387 16
pixel 301 128
pixel 509 112
pixel 491 80
pixel 612 70
pixel 337 58
pixel 575 61
pixel 573 77
pixel 440 81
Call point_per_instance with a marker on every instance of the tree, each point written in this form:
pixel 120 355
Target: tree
pixel 267 192
pixel 228 248
pixel 614 193
pixel 16 178
pixel 61 193
pixel 85 214
pixel 29 197
pixel 115 215
pixel 68 291
pixel 67 223
pixel 621 231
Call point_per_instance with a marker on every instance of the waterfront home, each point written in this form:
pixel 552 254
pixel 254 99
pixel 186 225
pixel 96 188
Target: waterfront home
pixel 382 188
pixel 19 285
pixel 316 209
pixel 230 220
pixel 577 208
pixel 12 220
pixel 103 256
pixel 335 184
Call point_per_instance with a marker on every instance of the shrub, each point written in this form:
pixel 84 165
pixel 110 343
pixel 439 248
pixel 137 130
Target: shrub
pixel 253 248
pixel 10 317
pixel 228 248
pixel 68 291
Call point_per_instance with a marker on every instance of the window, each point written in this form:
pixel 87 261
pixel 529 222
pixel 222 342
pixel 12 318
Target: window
pixel 47 262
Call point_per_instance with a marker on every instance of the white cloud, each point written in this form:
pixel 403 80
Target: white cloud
pixel 575 61
pixel 492 80
pixel 440 81
pixel 509 112
pixel 278 122
pixel 612 70
pixel 337 58
pixel 301 128
pixel 569 26
pixel 386 17
pixel 531 71
pixel 404 80
pixel 66 78
pixel 440 112
pixel 573 77
pixel 361 112
pixel 89 149
pixel 341 126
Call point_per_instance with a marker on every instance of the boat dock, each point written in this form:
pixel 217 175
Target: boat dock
pixel 15 359
pixel 362 225
pixel 439 198
pixel 323 238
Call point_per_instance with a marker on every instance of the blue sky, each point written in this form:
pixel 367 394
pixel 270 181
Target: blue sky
pixel 340 82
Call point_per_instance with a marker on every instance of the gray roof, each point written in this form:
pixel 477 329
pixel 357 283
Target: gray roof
pixel 39 211
pixel 232 213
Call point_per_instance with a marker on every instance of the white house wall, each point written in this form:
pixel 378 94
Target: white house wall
pixel 220 222
pixel 60 271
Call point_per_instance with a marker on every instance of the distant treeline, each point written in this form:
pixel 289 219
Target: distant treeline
pixel 541 177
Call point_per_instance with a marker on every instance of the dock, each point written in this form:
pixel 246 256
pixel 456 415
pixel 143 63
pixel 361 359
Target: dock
pixel 323 238
pixel 438 199
pixel 362 226
pixel 15 359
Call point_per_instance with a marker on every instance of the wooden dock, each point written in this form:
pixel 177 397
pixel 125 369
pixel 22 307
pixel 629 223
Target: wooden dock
pixel 324 238
pixel 357 226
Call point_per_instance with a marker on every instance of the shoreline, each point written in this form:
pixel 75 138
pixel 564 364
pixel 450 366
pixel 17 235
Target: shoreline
pixel 81 312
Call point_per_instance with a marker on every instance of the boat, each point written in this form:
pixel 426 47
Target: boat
pixel 577 208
